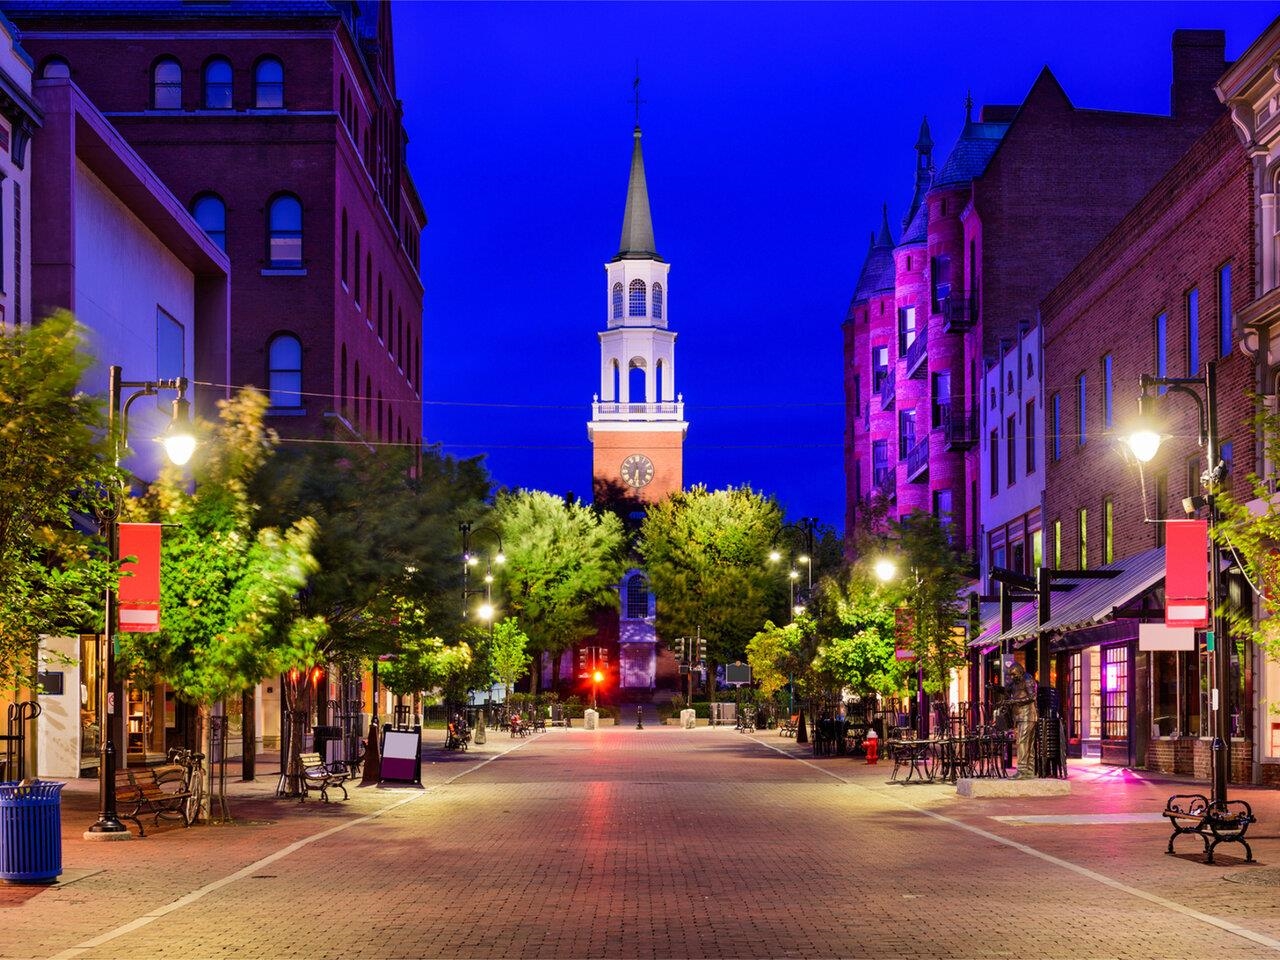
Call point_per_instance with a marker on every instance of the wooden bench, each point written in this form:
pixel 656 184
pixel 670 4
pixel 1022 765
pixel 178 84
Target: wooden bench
pixel 1192 813
pixel 788 727
pixel 141 790
pixel 316 775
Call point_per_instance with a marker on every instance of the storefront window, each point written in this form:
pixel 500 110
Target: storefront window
pixel 1164 693
pixel 1115 693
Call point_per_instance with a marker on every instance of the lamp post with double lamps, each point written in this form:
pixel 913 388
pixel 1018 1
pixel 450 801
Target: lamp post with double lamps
pixel 1144 441
pixel 179 443
pixel 485 611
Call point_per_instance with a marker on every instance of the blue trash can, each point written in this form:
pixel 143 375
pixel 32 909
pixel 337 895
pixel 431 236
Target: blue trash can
pixel 30 831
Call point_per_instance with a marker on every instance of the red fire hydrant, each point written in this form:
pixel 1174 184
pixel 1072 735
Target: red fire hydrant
pixel 871 744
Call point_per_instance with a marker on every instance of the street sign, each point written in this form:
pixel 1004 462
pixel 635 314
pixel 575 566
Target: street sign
pixel 737 673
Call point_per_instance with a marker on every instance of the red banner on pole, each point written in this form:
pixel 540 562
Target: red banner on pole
pixel 1186 573
pixel 139 594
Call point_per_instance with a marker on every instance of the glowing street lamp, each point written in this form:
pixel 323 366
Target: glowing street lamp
pixel 179 443
pixel 885 569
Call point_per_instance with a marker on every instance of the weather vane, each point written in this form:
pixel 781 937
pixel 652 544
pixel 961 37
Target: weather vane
pixel 635 87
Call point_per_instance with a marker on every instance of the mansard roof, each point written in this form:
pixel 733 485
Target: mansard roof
pixel 971 154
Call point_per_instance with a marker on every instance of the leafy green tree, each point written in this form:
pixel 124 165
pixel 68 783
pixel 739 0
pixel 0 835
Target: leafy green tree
pixel 776 655
pixel 507 653
pixel 230 613
pixel 933 575
pixel 564 563
pixel 388 531
pixel 855 616
pixel 53 461
pixel 705 553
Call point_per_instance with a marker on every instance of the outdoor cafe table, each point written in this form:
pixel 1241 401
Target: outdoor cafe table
pixel 917 756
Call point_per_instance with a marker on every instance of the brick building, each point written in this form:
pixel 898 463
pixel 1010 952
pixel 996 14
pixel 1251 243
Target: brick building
pixel 1154 297
pixel 278 125
pixel 1024 193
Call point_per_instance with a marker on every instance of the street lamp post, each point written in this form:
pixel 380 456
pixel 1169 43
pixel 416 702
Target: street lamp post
pixel 486 610
pixel 179 443
pixel 1144 441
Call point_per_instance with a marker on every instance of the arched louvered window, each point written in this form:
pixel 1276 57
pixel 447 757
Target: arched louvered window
pixel 268 84
pixel 636 305
pixel 284 231
pixel 617 301
pixel 284 371
pixel 166 84
pixel 657 301
pixel 217 84
pixel 211 213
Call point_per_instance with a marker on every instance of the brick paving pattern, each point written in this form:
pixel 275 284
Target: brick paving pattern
pixel 655 843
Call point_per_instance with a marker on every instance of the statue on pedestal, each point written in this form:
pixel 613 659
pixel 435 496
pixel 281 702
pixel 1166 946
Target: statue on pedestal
pixel 1020 696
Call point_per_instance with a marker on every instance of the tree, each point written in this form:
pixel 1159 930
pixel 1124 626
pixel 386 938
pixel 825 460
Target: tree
pixel 507 654
pixel 1250 530
pixel 564 563
pixel 229 594
pixel 54 460
pixel 934 574
pixel 855 615
pixel 776 655
pixel 705 553
pixel 388 530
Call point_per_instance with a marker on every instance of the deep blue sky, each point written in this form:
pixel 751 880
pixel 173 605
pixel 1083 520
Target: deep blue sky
pixel 772 133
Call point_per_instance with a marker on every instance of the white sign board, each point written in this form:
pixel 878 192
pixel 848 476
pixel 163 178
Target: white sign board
pixel 1156 636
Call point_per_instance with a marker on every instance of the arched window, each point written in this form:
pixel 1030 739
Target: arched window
pixel 380 336
pixel 368 281
pixel 284 231
pixel 217 84
pixel 659 374
pixel 636 383
pixel 211 213
pixel 344 248
pixel 355 391
pixel 1031 368
pixel 615 381
pixel 368 401
pixel 56 68
pixel 617 301
pixel 400 339
pixel 284 371
pixel 637 597
pixel 357 276
pixel 657 301
pixel 268 84
pixel 166 84
pixel 635 307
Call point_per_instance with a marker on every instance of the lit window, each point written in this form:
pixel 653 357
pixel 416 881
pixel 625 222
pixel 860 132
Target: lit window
pixel 284 371
pixel 268 84
pixel 1106 392
pixel 636 305
pixel 1226 338
pixel 166 85
pixel 1082 518
pixel 1108 531
pixel 284 232
pixel 637 598
pixel 1162 347
pixel 1193 332
pixel 1081 410
pixel 657 301
pixel 217 84
pixel 1057 426
pixel 617 301
pixel 211 213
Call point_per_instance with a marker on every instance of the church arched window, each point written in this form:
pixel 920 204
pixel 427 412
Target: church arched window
pixel 657 301
pixel 636 306
pixel 617 301
pixel 637 597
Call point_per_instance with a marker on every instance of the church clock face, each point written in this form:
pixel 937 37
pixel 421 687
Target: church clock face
pixel 637 470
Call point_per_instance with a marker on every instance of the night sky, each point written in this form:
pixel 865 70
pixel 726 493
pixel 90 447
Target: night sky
pixel 772 134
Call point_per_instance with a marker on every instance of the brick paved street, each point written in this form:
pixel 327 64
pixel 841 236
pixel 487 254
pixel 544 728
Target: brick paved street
pixel 661 843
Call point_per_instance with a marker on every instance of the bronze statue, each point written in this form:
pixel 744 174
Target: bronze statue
pixel 1020 696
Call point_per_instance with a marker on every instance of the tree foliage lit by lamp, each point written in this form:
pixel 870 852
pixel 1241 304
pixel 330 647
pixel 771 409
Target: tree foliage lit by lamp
pixel 179 442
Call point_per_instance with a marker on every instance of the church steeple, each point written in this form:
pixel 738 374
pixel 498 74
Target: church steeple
pixel 637 222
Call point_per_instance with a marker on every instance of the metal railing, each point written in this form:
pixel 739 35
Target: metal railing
pixel 918 459
pixel 959 313
pixel 630 411
pixel 916 352
pixel 886 483
pixel 888 389
pixel 960 428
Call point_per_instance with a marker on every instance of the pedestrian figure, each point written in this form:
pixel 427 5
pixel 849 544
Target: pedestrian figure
pixel 1020 696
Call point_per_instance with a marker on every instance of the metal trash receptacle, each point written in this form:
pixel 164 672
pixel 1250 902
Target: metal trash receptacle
pixel 30 831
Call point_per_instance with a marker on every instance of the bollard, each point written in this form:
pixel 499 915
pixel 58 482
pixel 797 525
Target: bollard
pixel 639 717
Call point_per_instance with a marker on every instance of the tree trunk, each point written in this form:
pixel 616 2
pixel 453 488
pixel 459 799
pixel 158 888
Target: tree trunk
pixel 248 737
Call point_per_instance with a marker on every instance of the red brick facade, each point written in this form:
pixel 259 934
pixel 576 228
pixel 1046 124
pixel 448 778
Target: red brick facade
pixel 334 142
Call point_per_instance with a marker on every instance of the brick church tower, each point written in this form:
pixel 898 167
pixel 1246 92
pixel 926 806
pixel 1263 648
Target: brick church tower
pixel 637 425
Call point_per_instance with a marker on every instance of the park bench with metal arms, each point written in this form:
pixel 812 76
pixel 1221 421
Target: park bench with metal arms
pixel 141 790
pixel 457 736
pixel 1226 823
pixel 788 727
pixel 318 775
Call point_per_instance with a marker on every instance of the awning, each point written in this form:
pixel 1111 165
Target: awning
pixel 1090 602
